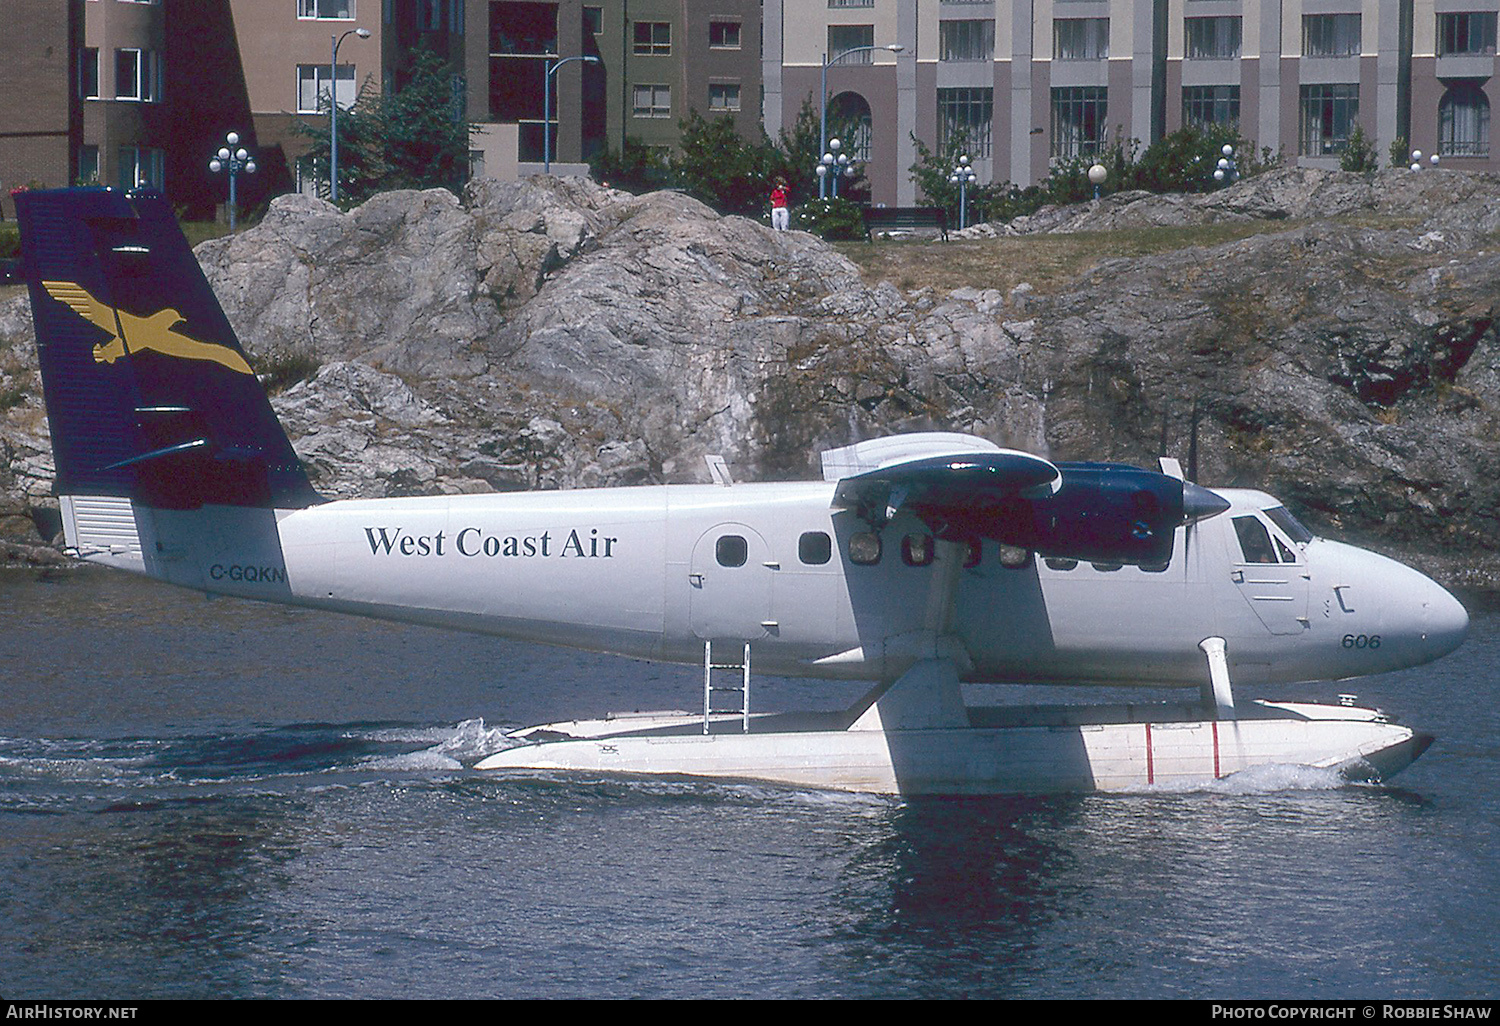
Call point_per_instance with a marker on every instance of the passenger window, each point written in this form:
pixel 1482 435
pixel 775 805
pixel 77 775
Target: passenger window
pixel 1014 557
pixel 864 548
pixel 814 548
pixel 916 549
pixel 1053 563
pixel 1154 568
pixel 1255 540
pixel 1286 553
pixel 731 550
pixel 1106 568
pixel 975 554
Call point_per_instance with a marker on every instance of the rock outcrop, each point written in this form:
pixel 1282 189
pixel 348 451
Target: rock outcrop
pixel 555 333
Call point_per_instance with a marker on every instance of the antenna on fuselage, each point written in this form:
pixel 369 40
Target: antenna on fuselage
pixel 718 469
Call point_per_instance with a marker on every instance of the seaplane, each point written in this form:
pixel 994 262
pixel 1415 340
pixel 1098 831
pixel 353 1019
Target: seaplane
pixel 921 564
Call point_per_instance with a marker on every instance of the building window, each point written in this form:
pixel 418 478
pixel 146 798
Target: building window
pixel 1464 121
pixel 1078 121
pixel 88 165
pixel 342 10
pixel 964 117
pixel 312 87
pixel 966 40
pixel 139 165
pixel 1330 35
pixel 723 97
pixel 724 35
pixel 853 112
pixel 653 38
pixel 652 101
pixel 851 3
pixel 1203 106
pixel 1080 39
pixel 593 20
pixel 523 28
pixel 1212 38
pixel 88 73
pixel 850 37
pixel 137 75
pixel 429 15
pixel 1328 116
pixel 1470 32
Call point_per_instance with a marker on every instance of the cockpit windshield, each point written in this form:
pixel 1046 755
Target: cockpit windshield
pixel 1282 518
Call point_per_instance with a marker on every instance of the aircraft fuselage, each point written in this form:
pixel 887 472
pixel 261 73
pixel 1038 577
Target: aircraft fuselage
pixel 654 572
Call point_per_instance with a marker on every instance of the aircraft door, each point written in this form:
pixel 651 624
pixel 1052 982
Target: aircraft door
pixel 730 584
pixel 1271 575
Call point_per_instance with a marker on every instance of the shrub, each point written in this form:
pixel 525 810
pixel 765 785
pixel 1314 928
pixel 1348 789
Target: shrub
pixel 831 218
pixel 1359 153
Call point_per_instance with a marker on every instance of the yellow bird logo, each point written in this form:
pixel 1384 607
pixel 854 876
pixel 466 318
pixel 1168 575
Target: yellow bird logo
pixel 155 332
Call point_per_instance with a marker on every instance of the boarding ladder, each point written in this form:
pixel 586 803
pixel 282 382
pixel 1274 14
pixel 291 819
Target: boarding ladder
pixel 710 688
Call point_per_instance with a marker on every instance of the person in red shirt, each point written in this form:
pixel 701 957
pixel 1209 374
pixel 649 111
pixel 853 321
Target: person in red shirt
pixel 780 217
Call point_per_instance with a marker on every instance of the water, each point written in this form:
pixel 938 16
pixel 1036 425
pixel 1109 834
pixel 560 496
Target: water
pixel 219 799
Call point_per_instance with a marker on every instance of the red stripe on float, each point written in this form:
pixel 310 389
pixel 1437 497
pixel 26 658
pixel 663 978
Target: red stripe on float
pixel 1150 762
pixel 1215 725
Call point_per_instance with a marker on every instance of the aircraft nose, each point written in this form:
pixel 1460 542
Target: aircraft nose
pixel 1445 622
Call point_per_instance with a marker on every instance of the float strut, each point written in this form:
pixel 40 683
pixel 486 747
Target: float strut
pixel 1218 695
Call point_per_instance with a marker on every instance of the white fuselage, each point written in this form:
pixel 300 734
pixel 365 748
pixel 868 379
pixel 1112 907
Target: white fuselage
pixel 654 572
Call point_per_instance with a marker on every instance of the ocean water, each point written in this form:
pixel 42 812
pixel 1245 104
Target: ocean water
pixel 220 799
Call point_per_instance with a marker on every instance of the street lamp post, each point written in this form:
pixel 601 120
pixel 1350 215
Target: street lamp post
pixel 333 110
pixel 962 176
pixel 830 167
pixel 823 121
pixel 1416 160
pixel 547 107
pixel 234 159
pixel 1228 170
pixel 1097 174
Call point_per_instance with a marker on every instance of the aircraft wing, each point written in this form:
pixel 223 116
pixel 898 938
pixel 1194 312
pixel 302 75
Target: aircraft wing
pixel 965 489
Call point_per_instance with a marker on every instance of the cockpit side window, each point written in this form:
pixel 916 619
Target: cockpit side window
pixel 1255 540
pixel 1282 518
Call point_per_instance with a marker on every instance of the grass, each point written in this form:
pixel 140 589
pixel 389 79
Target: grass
pixel 1047 262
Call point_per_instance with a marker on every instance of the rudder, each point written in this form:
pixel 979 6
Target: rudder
pixel 149 395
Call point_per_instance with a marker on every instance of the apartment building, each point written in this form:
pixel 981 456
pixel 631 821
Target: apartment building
pixel 41 128
pixel 623 69
pixel 129 91
pixel 1028 82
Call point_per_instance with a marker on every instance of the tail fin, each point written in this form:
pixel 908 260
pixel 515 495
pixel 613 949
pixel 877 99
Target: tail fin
pixel 148 392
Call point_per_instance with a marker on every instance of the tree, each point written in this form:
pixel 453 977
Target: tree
pixel 987 201
pixel 722 169
pixel 414 138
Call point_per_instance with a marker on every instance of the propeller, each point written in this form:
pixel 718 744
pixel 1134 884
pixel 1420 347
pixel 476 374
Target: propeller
pixel 1198 503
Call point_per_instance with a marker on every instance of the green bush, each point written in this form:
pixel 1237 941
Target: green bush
pixel 1400 152
pixel 830 218
pixel 635 167
pixel 1359 153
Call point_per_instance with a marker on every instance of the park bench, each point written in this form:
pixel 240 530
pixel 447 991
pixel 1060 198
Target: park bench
pixel 884 219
